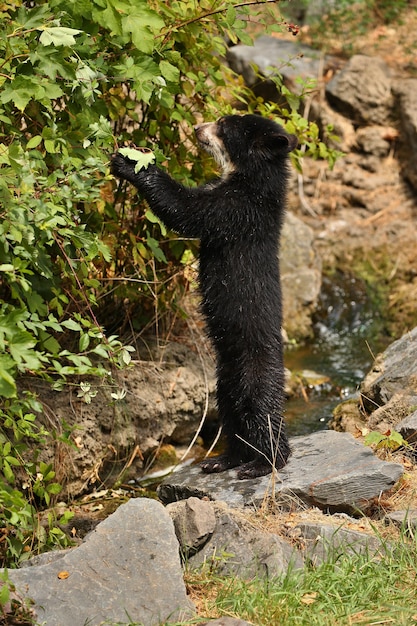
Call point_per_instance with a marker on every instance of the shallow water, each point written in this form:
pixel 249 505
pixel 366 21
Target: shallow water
pixel 347 337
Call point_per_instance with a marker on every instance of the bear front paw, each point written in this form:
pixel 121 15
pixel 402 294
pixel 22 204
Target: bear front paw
pixel 122 167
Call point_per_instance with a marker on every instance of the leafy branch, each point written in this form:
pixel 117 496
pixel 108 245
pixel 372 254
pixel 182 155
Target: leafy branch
pixel 211 13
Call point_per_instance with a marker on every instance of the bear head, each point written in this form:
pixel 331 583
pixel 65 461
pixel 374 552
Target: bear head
pixel 239 141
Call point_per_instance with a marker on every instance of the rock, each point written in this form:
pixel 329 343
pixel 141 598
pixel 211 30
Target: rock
pixel 194 522
pixel 406 518
pixel 375 140
pixel 324 541
pixel 388 394
pixel 361 91
pixel 347 417
pixel 116 575
pixel 300 268
pixel 394 372
pixel 167 390
pixel 408 427
pixel 237 548
pixel 406 95
pixel 392 413
pixel 327 469
pixel 273 56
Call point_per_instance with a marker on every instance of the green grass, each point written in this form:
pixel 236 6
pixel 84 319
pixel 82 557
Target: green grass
pixel 345 590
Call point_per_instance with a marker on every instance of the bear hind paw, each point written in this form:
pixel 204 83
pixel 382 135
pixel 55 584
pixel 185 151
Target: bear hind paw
pixel 254 469
pixel 218 464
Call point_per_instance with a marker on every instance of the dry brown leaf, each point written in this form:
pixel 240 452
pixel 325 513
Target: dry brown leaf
pixel 309 598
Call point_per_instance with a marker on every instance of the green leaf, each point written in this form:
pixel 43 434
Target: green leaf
pixel 72 325
pixel 101 351
pixel 7 381
pixel 84 342
pixel 58 36
pixel 54 488
pixel 7 471
pixel 126 358
pixel 151 217
pixel 50 146
pixel 169 72
pixel 373 438
pixel 143 159
pixel 230 15
pixel 397 438
pixel 4 592
pixel 156 250
pixel 142 23
pixel 34 142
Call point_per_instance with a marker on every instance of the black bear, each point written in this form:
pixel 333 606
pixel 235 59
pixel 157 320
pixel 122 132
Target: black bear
pixel 238 219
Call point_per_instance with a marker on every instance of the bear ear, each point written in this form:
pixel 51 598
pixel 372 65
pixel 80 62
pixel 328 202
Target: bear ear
pixel 275 144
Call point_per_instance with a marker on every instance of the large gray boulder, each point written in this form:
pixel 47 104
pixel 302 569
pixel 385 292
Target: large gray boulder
pixel 274 57
pixel 301 276
pixel 128 569
pixel 327 469
pixel 406 95
pixel 389 391
pixel 394 372
pixel 328 541
pixel 226 542
pixel 167 391
pixel 362 90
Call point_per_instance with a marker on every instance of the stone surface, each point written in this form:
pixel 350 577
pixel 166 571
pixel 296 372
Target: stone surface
pixel 362 90
pixel 237 548
pixel 167 390
pixel 394 372
pixel 393 413
pixel 273 56
pixel 406 518
pixel 327 541
pixel 327 469
pixel 373 140
pixel 406 95
pixel 300 268
pixel 128 569
pixel 408 427
pixel 194 522
pixel 342 136
pixel 388 394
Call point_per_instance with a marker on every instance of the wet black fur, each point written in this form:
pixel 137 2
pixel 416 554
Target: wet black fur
pixel 238 219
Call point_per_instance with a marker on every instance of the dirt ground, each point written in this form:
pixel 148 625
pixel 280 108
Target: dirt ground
pixel 363 212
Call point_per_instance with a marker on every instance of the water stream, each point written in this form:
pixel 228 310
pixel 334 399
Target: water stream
pixel 347 336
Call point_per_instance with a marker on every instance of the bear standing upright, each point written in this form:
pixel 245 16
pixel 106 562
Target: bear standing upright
pixel 238 219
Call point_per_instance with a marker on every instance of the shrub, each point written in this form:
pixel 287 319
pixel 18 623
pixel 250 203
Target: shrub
pixel 77 79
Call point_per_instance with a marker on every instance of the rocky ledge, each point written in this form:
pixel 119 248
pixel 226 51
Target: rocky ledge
pixel 129 569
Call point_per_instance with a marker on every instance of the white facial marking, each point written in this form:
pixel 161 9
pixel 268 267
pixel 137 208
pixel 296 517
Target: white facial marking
pixel 209 140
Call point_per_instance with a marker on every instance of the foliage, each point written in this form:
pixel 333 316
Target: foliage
pixel 14 609
pixel 390 440
pixel 78 79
